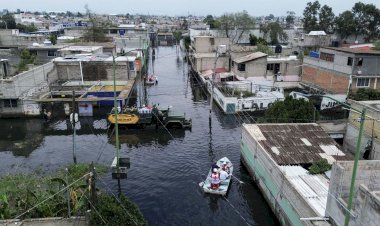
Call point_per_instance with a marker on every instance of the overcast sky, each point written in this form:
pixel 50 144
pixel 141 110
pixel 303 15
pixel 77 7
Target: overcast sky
pixel 178 7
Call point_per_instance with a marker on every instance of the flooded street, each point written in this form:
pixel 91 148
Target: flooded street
pixel 166 167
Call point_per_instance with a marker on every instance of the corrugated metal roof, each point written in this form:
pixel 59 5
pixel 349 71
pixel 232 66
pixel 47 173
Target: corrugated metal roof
pixel 313 188
pixel 252 56
pixel 291 148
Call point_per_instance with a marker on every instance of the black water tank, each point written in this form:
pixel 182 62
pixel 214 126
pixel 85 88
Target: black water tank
pixel 278 49
pixel 335 44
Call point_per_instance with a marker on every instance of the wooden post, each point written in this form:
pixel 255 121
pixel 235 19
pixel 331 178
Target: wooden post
pixel 92 184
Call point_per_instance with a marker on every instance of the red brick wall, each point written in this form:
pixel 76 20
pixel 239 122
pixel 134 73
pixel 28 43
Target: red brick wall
pixel 328 80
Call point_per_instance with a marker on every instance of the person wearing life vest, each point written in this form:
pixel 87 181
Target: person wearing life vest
pixel 215 180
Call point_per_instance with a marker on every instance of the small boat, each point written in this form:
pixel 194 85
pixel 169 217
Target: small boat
pixel 151 80
pixel 224 184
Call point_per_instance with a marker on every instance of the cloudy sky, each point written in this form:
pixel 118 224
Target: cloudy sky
pixel 178 7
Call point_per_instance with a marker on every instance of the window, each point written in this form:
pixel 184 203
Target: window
pixel 270 67
pixel 241 67
pixel 362 82
pixel 10 103
pixel 327 57
pixel 349 61
pixel 359 61
pixel 52 53
pixel 131 65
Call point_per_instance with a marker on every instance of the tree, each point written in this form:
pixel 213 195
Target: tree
pixel 8 21
pixel 310 13
pixel 326 19
pixel 291 110
pixel 275 31
pixel 25 58
pixel 185 24
pixel 53 39
pixel 95 32
pixel 345 24
pixel 252 39
pixel 235 25
pixel 227 23
pixel 264 48
pixel 319 167
pixel 367 18
pixel 366 94
pixel 212 22
pixel 376 45
pixel 290 18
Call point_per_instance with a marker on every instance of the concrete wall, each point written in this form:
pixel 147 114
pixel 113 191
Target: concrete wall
pixel 92 71
pixel 203 44
pixel 368 174
pixel 287 204
pixel 19 84
pixel 7 39
pixel 255 68
pixel 207 63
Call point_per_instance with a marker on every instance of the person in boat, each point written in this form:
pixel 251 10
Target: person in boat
pixel 226 168
pixel 214 166
pixel 215 180
pixel 223 175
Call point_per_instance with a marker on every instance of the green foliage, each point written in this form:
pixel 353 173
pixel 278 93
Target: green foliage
pixel 25 58
pixel 366 94
pixel 252 39
pixel 111 212
pixel 275 31
pixel 290 18
pixel 291 110
pixel 367 18
pixel 319 167
pixel 212 22
pixel 310 16
pixel 26 28
pixel 95 31
pixel 345 24
pixel 234 25
pixel 261 47
pixel 230 92
pixel 53 39
pixel 8 21
pixel 326 19
pixel 20 192
pixel 187 42
pixel 177 35
pixel 376 45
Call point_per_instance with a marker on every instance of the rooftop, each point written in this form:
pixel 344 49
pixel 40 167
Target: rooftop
pixel 296 143
pixel 250 57
pixel 356 50
pixel 88 49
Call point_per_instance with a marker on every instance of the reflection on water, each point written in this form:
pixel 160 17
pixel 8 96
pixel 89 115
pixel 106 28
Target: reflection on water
pixel 165 169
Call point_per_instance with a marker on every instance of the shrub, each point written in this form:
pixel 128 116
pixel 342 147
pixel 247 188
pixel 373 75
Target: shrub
pixel 319 167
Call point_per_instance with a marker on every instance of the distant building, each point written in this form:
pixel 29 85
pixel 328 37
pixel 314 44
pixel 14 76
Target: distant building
pixel 331 69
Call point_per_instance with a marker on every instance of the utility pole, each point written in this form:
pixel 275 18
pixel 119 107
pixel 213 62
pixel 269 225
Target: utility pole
pixel 212 86
pixel 354 170
pixel 73 120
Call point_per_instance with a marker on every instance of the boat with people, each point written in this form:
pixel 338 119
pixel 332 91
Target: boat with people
pixel 151 80
pixel 149 115
pixel 219 177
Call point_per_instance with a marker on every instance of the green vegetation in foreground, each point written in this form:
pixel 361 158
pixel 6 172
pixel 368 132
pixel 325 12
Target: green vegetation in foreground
pixel 363 94
pixel 319 167
pixel 290 111
pixel 20 192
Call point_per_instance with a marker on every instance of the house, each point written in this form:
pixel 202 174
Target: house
pixel 366 198
pixel 45 53
pixel 371 134
pixel 252 65
pixel 342 70
pixel 71 50
pixel 278 157
pixel 204 53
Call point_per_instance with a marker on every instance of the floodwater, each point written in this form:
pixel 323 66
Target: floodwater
pixel 166 166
